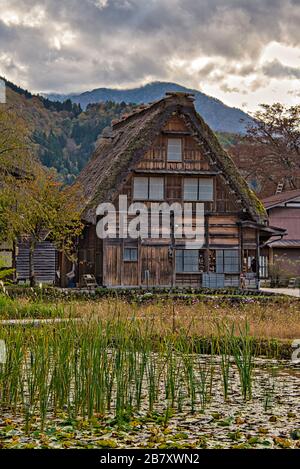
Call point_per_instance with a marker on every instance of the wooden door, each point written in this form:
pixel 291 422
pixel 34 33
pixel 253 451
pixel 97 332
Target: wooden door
pixel 156 267
pixel 112 265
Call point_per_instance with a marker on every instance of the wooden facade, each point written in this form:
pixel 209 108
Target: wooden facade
pixel 44 262
pixel 169 155
pixel 15 256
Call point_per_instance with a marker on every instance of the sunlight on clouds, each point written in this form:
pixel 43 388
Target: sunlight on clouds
pixel 10 17
pixel 239 53
pixel 100 3
pixel 286 54
pixel 250 95
pixel 34 18
pixel 240 83
pixel 197 64
pixel 62 37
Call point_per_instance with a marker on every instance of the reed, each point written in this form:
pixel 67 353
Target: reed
pixel 224 348
pixel 269 388
pixel 118 366
pixel 242 349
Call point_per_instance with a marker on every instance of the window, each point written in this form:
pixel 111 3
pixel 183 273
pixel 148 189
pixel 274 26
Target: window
pixel 227 261
pixel 130 254
pixel 206 190
pixel 148 188
pixel 189 260
pixel 140 188
pixel 263 266
pixel 191 189
pixel 156 188
pixel 198 189
pixel 174 149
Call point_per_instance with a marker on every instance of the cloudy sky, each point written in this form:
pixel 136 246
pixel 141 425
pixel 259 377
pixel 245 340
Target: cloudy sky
pixel 243 52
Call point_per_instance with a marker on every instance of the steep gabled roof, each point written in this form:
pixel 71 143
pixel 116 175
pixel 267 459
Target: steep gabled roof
pixel 281 198
pixel 134 134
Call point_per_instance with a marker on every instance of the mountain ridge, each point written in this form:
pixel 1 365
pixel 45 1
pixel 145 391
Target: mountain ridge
pixel 219 116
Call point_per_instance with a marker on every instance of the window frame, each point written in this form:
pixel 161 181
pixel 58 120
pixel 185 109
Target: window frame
pixel 224 255
pixel 182 261
pixel 130 248
pixel 149 178
pixel 172 160
pixel 198 199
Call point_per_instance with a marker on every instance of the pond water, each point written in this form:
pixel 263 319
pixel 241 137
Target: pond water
pixel 269 420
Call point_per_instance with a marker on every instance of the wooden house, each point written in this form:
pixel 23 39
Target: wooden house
pixel 165 152
pixel 284 211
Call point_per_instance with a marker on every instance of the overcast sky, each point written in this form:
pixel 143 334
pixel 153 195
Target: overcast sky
pixel 243 52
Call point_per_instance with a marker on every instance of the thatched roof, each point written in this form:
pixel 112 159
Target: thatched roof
pixel 132 136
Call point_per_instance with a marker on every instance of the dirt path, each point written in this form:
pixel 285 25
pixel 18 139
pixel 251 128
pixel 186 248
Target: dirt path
pixel 283 291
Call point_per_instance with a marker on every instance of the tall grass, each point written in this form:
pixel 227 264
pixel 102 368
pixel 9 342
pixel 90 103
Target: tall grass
pixel 38 309
pixel 118 367
pixel 243 355
pixel 224 347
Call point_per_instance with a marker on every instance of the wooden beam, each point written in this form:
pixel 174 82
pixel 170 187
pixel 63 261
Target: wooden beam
pixel 182 172
pixel 176 132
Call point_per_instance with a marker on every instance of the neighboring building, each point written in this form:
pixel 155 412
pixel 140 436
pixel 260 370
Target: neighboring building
pixel 45 262
pixel 284 211
pixel 164 152
pixel 16 255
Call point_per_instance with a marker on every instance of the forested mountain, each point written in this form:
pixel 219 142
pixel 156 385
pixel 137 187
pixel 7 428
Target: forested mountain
pixel 62 135
pixel 218 116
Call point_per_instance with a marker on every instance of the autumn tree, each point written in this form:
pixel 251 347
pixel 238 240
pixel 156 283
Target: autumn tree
pixel 269 153
pixel 49 210
pixel 15 155
pixel 15 163
pixel 33 202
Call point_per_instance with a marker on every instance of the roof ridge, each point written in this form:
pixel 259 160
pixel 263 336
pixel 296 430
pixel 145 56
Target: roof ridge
pixel 138 110
pixel 143 107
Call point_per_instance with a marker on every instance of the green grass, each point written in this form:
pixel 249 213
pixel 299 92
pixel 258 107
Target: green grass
pixel 39 309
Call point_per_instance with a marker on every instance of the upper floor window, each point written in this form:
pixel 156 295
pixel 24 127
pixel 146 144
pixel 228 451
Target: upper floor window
pixel 198 189
pixel 148 188
pixel 174 149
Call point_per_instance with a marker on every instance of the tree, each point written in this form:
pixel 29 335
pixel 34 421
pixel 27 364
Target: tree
pixel 15 163
pixel 48 209
pixel 33 202
pixel 15 157
pixel 270 151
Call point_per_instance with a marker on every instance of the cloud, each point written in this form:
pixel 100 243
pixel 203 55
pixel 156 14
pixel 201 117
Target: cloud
pixel 276 69
pixel 74 45
pixel 227 89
